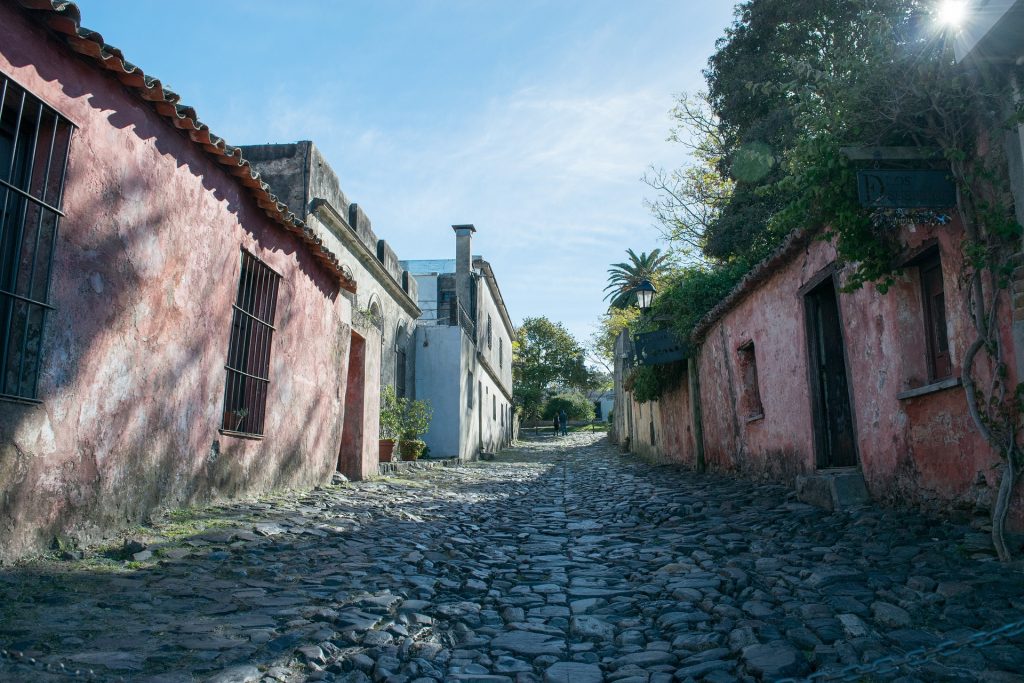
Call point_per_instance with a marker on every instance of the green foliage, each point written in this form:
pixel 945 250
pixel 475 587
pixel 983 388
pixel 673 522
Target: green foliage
pixel 411 449
pixel 623 278
pixel 416 416
pixel 690 199
pixel 602 343
pixel 576 406
pixel 403 418
pixel 390 413
pixel 546 358
pixel 650 382
pixel 793 81
pixel 692 292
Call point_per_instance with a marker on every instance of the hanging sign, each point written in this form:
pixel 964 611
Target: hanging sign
pixel 659 348
pixel 913 189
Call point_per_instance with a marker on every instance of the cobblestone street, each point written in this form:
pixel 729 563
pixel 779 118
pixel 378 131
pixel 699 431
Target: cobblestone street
pixel 560 561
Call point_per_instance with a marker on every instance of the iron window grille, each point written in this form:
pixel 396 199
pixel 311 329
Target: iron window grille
pixel 34 145
pixel 252 331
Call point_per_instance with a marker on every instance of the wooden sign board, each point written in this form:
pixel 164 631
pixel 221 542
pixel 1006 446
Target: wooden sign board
pixel 659 348
pixel 913 189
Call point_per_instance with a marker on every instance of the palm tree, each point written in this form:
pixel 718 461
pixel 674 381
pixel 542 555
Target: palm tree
pixel 623 278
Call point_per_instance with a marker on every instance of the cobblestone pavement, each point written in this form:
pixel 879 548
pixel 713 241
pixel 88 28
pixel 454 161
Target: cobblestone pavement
pixel 560 561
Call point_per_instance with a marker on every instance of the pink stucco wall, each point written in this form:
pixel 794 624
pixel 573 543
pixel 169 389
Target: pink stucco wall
pixel 924 450
pixel 144 280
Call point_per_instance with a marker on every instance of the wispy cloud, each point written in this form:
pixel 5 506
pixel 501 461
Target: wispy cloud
pixel 548 169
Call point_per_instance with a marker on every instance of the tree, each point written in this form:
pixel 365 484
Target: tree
pixel 601 345
pixel 576 406
pixel 546 358
pixel 893 82
pixel 623 278
pixel 690 198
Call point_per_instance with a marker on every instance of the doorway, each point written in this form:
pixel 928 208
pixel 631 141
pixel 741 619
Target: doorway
pixel 351 453
pixel 835 438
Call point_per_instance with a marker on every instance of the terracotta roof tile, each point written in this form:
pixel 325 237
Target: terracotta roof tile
pixel 64 18
pixel 794 243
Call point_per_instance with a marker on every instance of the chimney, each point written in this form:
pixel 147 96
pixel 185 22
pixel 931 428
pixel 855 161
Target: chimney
pixel 463 264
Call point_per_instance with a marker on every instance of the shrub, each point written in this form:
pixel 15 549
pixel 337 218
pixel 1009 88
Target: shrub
pixel 576 406
pixel 390 413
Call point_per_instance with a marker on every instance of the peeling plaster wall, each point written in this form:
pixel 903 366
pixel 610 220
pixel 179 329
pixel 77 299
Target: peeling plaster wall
pixel 645 416
pixel 678 445
pixel 144 280
pixel 619 430
pixel 922 451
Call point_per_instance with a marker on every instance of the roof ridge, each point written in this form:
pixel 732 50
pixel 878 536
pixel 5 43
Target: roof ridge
pixel 64 18
pixel 762 270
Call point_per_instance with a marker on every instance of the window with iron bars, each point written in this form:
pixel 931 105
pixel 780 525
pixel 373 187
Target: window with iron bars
pixel 34 145
pixel 252 331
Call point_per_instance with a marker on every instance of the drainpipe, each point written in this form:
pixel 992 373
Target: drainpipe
pixel 695 415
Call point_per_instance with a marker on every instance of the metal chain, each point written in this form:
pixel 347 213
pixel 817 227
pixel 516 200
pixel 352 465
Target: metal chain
pixel 891 664
pixel 56 668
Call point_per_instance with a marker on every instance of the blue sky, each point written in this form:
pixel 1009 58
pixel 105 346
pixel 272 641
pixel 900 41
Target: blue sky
pixel 532 119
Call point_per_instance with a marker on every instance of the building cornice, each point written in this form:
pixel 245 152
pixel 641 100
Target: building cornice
pixel 494 375
pixel 340 228
pixel 492 284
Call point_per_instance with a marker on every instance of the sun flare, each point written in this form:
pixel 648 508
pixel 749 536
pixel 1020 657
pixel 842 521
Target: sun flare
pixel 952 12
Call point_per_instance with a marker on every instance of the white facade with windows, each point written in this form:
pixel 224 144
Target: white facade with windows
pixel 464 353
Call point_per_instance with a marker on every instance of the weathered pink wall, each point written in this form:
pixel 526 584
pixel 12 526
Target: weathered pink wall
pixel 360 456
pixel 145 276
pixel 923 450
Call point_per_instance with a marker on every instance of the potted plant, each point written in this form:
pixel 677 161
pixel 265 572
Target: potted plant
pixel 390 422
pixel 415 423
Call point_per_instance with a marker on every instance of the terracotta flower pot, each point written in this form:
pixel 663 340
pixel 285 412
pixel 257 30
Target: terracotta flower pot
pixel 411 449
pixel 385 448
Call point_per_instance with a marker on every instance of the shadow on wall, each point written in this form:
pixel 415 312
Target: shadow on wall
pixel 137 420
pixel 147 125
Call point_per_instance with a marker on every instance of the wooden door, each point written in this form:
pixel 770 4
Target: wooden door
pixel 834 434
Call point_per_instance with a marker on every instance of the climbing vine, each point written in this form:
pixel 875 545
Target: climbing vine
pixel 914 94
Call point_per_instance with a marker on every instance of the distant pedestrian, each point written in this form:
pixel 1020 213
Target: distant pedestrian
pixel 555 432
pixel 563 419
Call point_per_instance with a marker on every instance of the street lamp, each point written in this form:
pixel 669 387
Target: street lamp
pixel 645 292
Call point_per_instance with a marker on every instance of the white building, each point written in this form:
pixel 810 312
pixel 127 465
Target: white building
pixel 463 353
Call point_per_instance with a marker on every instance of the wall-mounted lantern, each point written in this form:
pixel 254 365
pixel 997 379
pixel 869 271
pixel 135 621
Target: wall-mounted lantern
pixel 645 292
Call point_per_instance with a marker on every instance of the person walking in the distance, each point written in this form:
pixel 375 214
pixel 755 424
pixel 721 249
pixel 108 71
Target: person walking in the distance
pixel 563 420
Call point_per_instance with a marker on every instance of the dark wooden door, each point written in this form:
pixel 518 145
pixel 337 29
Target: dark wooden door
pixel 834 435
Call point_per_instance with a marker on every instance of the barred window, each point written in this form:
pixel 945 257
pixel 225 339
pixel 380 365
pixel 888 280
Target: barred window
pixel 933 295
pixel 252 330
pixel 34 144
